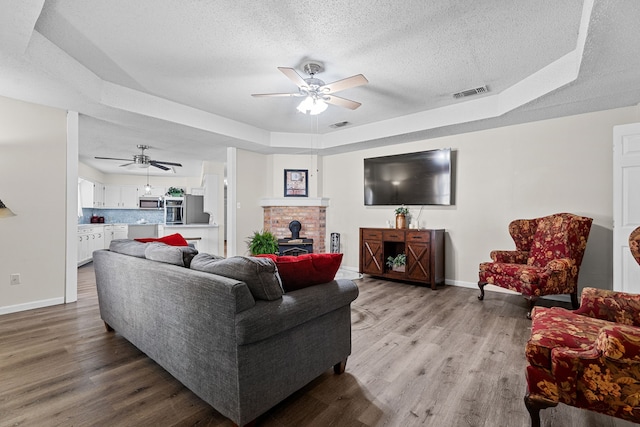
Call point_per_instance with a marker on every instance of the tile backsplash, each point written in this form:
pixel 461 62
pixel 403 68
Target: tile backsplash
pixel 123 216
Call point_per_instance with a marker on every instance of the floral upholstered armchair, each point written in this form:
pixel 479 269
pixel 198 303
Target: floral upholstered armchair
pixel 546 261
pixel 588 358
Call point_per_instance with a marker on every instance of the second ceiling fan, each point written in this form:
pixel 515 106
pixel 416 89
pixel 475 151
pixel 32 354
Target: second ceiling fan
pixel 142 160
pixel 316 92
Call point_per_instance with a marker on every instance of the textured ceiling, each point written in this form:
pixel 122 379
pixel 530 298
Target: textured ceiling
pixel 178 74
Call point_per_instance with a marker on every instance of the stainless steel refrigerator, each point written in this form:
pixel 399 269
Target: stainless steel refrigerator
pixel 194 210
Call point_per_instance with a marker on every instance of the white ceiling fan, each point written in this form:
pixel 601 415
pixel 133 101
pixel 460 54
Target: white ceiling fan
pixel 143 161
pixel 317 93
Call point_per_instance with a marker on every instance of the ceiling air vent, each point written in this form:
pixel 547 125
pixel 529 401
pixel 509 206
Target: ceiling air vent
pixel 476 91
pixel 339 125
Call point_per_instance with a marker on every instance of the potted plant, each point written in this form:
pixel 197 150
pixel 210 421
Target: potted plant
pixel 401 216
pixel 175 192
pixel 397 263
pixel 263 242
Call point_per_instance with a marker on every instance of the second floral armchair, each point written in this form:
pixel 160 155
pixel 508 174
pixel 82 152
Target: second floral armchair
pixel 546 260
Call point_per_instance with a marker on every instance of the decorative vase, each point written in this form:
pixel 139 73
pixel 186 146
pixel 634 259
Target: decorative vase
pixel 398 268
pixel 401 221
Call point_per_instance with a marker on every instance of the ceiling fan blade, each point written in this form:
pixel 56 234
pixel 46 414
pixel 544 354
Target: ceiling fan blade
pixel 342 102
pixel 156 165
pixel 343 84
pixel 113 158
pixel 155 162
pixel 126 164
pixel 294 77
pixel 267 95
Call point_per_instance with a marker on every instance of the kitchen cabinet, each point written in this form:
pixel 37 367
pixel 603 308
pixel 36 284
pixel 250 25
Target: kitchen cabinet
pixel 114 231
pixel 120 196
pixel 98 195
pixel 90 238
pixel 91 194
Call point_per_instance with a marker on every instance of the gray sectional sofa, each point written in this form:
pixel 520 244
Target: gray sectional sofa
pixel 240 345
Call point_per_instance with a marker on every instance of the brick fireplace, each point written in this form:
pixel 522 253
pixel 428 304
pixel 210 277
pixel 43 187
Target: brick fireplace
pixel 311 212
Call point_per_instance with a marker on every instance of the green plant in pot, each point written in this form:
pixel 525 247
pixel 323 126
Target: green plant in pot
pixel 263 242
pixel 397 263
pixel 175 192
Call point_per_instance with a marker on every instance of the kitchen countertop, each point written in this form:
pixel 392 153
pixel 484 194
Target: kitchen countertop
pixel 149 223
pixel 192 226
pixel 101 224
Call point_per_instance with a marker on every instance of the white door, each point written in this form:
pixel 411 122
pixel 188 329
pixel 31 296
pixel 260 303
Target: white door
pixel 626 205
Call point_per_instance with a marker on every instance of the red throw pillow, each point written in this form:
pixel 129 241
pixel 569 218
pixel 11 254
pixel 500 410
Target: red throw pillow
pixel 172 240
pixel 297 272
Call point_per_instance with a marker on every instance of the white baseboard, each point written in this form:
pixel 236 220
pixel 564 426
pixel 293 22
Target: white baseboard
pixel 31 305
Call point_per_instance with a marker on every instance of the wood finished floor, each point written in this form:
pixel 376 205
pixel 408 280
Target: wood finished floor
pixel 420 358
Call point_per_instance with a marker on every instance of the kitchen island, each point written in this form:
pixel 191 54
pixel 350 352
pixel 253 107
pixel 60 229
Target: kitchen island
pixel 203 236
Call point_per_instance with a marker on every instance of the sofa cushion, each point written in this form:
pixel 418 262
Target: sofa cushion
pixel 128 247
pixel 175 239
pixel 260 275
pixel 301 271
pixel 176 255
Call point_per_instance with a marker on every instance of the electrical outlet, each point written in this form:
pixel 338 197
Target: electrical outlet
pixel 15 278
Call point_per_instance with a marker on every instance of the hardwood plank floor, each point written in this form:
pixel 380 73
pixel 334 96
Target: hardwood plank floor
pixel 420 358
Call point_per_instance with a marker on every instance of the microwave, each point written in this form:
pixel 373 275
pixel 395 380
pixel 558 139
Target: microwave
pixel 150 202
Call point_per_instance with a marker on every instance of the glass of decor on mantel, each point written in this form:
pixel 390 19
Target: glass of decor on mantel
pixel 401 216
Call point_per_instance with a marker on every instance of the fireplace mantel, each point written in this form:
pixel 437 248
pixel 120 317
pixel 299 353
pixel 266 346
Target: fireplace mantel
pixel 295 201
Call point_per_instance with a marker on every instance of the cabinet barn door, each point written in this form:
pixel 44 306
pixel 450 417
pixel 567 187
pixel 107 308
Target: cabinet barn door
pixel 372 262
pixel 418 262
pixel 626 205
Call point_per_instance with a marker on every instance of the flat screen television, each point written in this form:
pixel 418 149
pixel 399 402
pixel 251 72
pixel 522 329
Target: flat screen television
pixel 423 178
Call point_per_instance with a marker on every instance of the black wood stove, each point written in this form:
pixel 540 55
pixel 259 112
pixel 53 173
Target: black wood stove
pixel 295 245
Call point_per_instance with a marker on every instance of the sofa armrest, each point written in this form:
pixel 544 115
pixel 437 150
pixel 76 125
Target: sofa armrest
pixel 269 318
pixel 619 307
pixel 510 257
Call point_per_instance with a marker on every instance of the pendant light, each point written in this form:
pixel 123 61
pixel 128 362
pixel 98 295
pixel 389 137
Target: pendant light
pixel 147 188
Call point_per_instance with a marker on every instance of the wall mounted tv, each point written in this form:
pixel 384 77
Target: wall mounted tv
pixel 423 178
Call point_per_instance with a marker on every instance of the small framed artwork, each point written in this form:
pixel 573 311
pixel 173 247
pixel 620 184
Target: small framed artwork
pixel 296 183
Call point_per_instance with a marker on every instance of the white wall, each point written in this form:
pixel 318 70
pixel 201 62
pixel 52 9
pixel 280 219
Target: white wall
pixel 33 184
pixel 522 171
pixel 278 163
pixel 252 184
pixel 218 169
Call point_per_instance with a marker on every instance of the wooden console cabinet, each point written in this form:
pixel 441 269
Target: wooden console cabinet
pixel 424 250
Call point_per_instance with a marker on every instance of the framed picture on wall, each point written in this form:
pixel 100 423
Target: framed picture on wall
pixel 296 183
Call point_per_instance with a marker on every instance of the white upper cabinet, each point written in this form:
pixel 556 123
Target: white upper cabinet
pixel 120 197
pixel 91 194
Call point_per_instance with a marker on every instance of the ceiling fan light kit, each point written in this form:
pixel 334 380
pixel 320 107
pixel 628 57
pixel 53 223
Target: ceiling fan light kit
pixel 312 106
pixel 317 94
